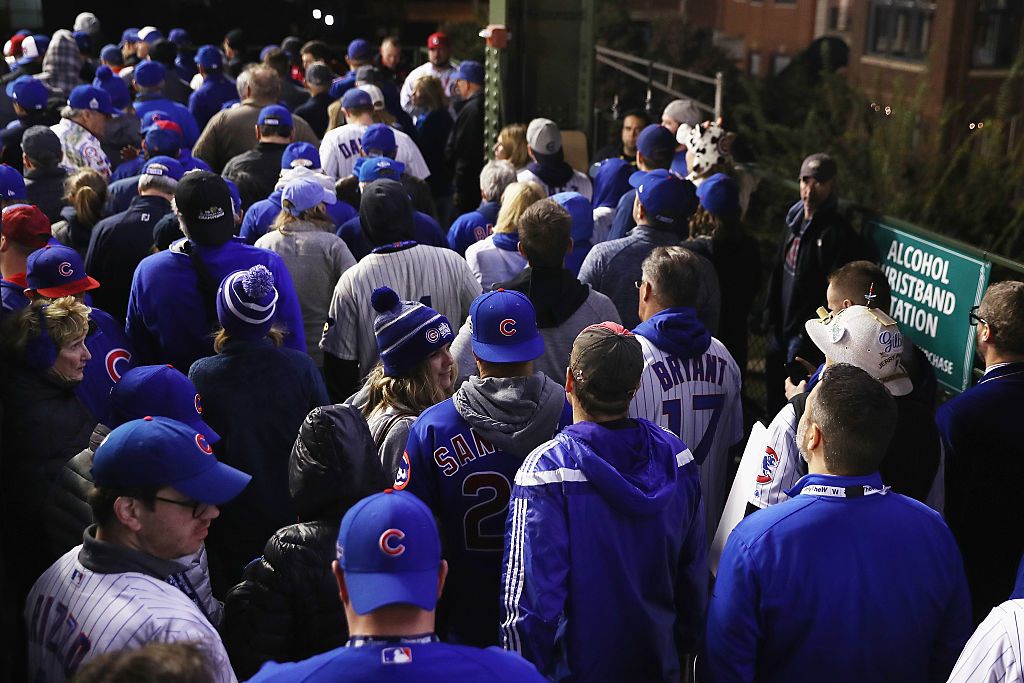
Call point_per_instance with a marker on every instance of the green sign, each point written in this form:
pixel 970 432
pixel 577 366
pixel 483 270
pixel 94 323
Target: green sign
pixel 933 289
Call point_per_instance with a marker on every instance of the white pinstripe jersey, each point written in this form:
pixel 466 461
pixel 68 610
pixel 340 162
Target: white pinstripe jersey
pixel 438 277
pixel 340 148
pixel 781 463
pixel 698 400
pixel 74 614
pixel 993 654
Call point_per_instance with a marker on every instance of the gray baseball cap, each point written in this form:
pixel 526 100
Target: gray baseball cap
pixel 819 166
pixel 543 136
pixel 42 145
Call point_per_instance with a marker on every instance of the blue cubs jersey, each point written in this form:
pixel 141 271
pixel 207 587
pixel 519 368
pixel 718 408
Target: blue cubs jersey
pixel 467 482
pixel 111 357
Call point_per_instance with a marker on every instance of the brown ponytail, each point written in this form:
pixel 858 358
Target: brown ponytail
pixel 86 192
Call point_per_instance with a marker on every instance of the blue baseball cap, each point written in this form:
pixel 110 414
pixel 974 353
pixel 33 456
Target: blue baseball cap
pixel 719 194
pixel 56 270
pixel 159 451
pixel 92 98
pixel 112 55
pixel 390 550
pixel 581 212
pixel 158 390
pixel 359 49
pixel 149 74
pixel 164 166
pixel 305 193
pixel 209 57
pixel 28 92
pixel 469 71
pixel 356 98
pixel 376 168
pixel 163 141
pixel 130 35
pixel 275 115
pixel 301 154
pixel 150 34
pixel 668 200
pixel 83 40
pixel 179 37
pixel 378 138
pixel 152 116
pixel 505 327
pixel 266 51
pixel 655 139
pixel 115 86
pixel 12 184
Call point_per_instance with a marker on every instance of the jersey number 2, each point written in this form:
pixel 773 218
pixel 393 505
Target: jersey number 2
pixel 673 410
pixel 477 485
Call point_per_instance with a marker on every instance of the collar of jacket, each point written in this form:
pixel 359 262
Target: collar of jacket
pixel 795 215
pixel 862 484
pixel 110 558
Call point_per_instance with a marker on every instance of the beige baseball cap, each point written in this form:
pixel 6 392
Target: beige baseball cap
pixel 866 338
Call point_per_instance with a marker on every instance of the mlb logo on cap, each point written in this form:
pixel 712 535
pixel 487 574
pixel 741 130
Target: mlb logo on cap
pixel 275 115
pixel 92 98
pixel 504 327
pixel 436 40
pixel 28 92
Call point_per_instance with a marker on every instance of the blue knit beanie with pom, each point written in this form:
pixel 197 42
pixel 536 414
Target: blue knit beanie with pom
pixel 246 303
pixel 407 331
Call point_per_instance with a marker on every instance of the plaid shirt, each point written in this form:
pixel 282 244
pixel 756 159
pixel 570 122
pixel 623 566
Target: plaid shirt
pixel 62 64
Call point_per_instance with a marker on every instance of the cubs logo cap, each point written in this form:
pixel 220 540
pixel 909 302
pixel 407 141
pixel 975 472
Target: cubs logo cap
pixel 407 332
pixel 204 202
pixel 55 271
pixel 158 390
pixel 504 326
pixel 26 225
pixel 390 551
pixel 91 98
pixel 668 200
pixel 866 338
pixel 154 452
pixel 606 361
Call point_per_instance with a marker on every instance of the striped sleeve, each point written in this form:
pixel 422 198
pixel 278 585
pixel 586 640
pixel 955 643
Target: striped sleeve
pixel 536 562
pixel 993 652
pixel 781 463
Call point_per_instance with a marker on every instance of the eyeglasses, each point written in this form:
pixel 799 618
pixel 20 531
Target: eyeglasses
pixel 639 284
pixel 974 318
pixel 198 509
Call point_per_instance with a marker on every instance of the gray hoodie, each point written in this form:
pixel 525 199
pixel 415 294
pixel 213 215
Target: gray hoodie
pixel 515 414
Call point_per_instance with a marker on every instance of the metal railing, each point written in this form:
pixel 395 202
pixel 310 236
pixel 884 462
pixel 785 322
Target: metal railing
pixel 654 71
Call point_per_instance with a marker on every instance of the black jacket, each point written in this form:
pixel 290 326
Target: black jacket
pixel 116 247
pixel 10 138
pixel 826 243
pixel 256 171
pixel 465 152
pixel 45 189
pixel 287 608
pixel 314 111
pixel 72 232
pixel 67 512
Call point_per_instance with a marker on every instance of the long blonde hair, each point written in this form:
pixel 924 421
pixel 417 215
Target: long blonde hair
pixel 515 200
pixel 513 138
pixel 413 393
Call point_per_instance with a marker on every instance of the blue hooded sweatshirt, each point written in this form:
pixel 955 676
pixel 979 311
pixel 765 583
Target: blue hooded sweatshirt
pixel 611 510
pixel 611 181
pixel 676 331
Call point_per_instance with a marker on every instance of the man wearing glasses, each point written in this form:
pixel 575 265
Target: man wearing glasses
pixel 157 488
pixel 981 431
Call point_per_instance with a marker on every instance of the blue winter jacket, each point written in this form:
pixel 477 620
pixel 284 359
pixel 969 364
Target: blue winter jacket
pixel 261 214
pixel 605 572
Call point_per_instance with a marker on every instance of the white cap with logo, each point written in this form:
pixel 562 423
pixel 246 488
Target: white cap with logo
pixel 866 338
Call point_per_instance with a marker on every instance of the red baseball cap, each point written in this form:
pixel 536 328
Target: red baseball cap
pixel 55 271
pixel 26 225
pixel 437 40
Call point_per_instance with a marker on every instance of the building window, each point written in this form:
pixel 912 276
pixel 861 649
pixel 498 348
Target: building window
pixel 900 29
pixel 754 67
pixel 780 62
pixel 997 33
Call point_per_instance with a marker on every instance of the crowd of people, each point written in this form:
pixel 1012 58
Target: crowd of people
pixel 299 384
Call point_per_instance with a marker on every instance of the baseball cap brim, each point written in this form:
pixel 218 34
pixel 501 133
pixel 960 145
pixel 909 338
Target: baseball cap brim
pixel 898 383
pixel 70 288
pixel 215 485
pixel 509 353
pixel 372 590
pixel 206 430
